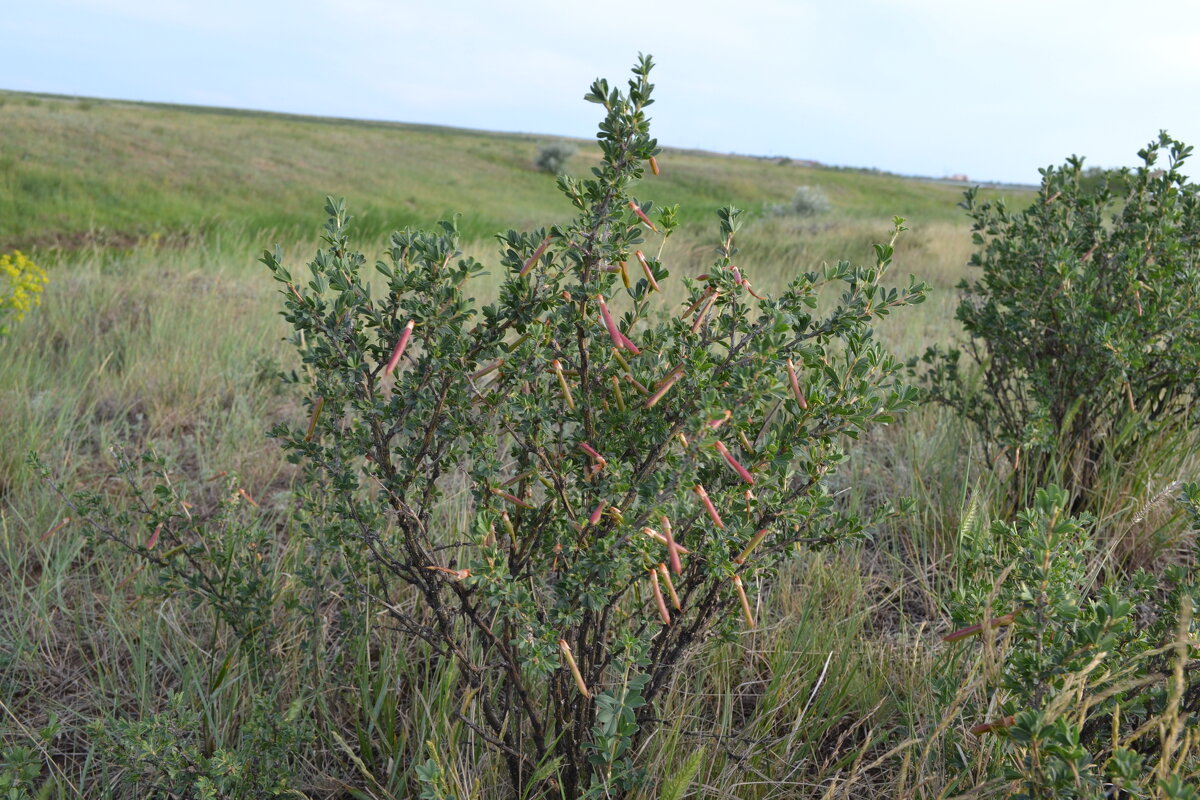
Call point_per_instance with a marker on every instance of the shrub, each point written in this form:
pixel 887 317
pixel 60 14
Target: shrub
pixel 576 485
pixel 552 157
pixel 1084 328
pixel 21 285
pixel 1093 686
pixel 808 201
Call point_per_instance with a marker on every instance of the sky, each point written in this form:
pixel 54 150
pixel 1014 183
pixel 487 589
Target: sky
pixel 993 90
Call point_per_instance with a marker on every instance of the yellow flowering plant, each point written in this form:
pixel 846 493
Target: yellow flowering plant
pixel 21 285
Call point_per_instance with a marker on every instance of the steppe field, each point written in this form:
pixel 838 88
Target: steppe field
pixel 159 333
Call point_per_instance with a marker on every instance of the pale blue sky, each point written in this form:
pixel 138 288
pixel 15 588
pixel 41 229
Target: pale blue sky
pixel 990 89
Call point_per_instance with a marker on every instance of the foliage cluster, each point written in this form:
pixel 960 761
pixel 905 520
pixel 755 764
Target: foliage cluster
pixel 1091 688
pixel 1083 331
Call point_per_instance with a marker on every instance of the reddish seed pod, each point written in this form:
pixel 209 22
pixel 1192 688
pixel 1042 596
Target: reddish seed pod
pixel 65 521
pixel 591 451
pixel 963 633
pixel 398 350
pixel 742 472
pixel 672 547
pixel 795 382
pixel 516 501
pixel 637 210
pixel 664 387
pixel 994 725
pixel 619 339
pixel 154 537
pixel 659 601
pixel 703 312
pixel 646 269
pixel 658 537
pixel 599 510
pixel 708 506
pixel 719 421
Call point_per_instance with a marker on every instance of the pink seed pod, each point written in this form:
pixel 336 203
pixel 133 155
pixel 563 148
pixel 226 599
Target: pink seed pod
pixel 664 387
pixel 737 275
pixel 666 576
pixel 597 512
pixel 591 451
pixel 745 601
pixel 719 421
pixel 658 537
pixel 533 259
pixel 571 665
pixel 658 597
pixel 795 381
pixel 672 546
pixel 637 210
pixel 619 340
pixel 154 537
pixel 646 269
pixel 398 351
pixel 516 501
pixel 629 345
pixel 733 463
pixel 753 543
pixel 708 506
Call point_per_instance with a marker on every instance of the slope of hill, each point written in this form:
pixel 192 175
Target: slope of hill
pixel 76 169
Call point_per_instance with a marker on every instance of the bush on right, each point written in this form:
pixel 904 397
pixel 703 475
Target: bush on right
pixel 1081 361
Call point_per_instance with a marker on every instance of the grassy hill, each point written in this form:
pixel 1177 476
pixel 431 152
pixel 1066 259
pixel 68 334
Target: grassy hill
pixel 72 170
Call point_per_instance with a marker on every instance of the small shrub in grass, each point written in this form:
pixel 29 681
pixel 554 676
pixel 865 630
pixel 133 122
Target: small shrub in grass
pixel 218 558
pixel 1092 686
pixel 579 482
pixel 164 754
pixel 808 201
pixel 1082 355
pixel 552 157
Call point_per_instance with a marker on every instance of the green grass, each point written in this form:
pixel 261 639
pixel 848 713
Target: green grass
pixel 159 330
pixel 74 172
